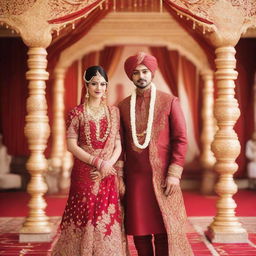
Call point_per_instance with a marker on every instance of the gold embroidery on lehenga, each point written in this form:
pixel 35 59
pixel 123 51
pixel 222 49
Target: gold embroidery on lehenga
pixel 92 240
pixel 95 188
pixel 101 224
pixel 108 244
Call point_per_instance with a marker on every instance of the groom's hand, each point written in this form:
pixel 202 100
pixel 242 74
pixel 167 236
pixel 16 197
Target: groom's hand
pixel 171 184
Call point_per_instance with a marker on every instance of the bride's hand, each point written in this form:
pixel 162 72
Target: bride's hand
pixel 107 169
pixel 95 175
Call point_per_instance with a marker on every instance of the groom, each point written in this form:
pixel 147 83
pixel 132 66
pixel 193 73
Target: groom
pixel 154 143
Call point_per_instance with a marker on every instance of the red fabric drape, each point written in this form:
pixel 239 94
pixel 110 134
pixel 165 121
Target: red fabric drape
pixel 168 65
pixel 13 95
pixel 89 59
pixel 196 34
pixel 107 56
pixel 71 81
pixel 75 15
pixel 246 67
pixel 71 37
pixel 190 79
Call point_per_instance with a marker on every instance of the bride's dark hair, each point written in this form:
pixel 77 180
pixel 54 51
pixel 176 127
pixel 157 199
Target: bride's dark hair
pixel 92 71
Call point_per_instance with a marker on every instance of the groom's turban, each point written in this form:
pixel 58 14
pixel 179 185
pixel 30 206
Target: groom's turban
pixel 140 59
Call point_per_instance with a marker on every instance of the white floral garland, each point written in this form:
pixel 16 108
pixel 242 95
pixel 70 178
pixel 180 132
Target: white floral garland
pixel 150 118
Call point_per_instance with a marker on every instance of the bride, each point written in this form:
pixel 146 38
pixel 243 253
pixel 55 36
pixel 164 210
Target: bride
pixel 92 220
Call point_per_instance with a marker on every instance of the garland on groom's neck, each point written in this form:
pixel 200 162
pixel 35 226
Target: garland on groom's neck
pixel 150 118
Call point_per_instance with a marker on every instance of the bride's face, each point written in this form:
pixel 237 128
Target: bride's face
pixel 97 86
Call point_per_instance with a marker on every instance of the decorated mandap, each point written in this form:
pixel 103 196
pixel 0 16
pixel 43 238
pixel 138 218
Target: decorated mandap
pixel 63 37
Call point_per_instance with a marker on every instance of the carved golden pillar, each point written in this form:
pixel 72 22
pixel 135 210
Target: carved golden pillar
pixel 67 163
pixel 37 132
pixel 58 125
pixel 225 227
pixel 207 158
pixel 61 159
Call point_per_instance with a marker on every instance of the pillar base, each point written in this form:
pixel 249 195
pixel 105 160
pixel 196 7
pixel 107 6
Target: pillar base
pixel 35 237
pixel 43 233
pixel 227 237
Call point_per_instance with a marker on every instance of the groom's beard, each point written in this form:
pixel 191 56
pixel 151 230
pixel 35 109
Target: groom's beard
pixel 142 83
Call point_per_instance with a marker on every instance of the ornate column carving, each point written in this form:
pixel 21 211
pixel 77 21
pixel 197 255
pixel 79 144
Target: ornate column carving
pixel 58 125
pixel 225 227
pixel 207 158
pixel 61 159
pixel 67 163
pixel 37 131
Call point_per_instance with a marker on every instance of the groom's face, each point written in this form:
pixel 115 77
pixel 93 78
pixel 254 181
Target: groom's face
pixel 141 76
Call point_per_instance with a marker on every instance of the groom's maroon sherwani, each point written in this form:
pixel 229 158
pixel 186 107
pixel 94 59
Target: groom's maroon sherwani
pixel 147 209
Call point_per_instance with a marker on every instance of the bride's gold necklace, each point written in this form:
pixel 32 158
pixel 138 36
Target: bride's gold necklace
pixel 96 114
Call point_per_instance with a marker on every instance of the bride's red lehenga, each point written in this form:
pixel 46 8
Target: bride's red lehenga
pixel 92 221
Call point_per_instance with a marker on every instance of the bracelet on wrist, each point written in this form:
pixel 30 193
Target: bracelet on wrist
pixel 175 170
pixel 90 160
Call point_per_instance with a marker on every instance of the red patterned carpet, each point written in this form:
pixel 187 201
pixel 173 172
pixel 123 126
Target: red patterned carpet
pixel 9 245
pixel 13 206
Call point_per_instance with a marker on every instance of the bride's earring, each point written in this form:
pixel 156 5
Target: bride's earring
pixel 87 94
